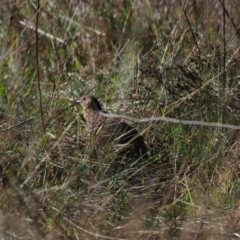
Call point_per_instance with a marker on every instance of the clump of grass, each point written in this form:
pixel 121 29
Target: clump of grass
pixel 177 59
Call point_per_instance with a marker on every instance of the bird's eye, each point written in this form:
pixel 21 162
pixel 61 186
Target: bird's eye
pixel 83 98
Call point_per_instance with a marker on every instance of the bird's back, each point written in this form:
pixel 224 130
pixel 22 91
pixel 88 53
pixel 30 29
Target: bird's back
pixel 119 133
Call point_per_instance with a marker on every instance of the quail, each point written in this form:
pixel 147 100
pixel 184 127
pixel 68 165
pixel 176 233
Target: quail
pixel 107 130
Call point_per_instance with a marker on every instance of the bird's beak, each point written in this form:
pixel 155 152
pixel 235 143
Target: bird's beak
pixel 75 103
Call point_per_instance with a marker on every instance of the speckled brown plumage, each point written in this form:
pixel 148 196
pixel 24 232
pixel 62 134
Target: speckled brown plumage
pixel 106 131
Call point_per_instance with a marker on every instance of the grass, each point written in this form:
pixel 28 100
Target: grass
pixel 177 59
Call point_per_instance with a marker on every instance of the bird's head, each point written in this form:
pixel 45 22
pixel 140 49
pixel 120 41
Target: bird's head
pixel 89 102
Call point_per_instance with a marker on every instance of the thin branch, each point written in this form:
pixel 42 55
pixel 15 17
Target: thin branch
pixel 173 120
pixel 237 29
pixel 189 25
pixel 17 125
pixel 29 25
pixel 224 60
pixel 224 45
pixel 38 73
